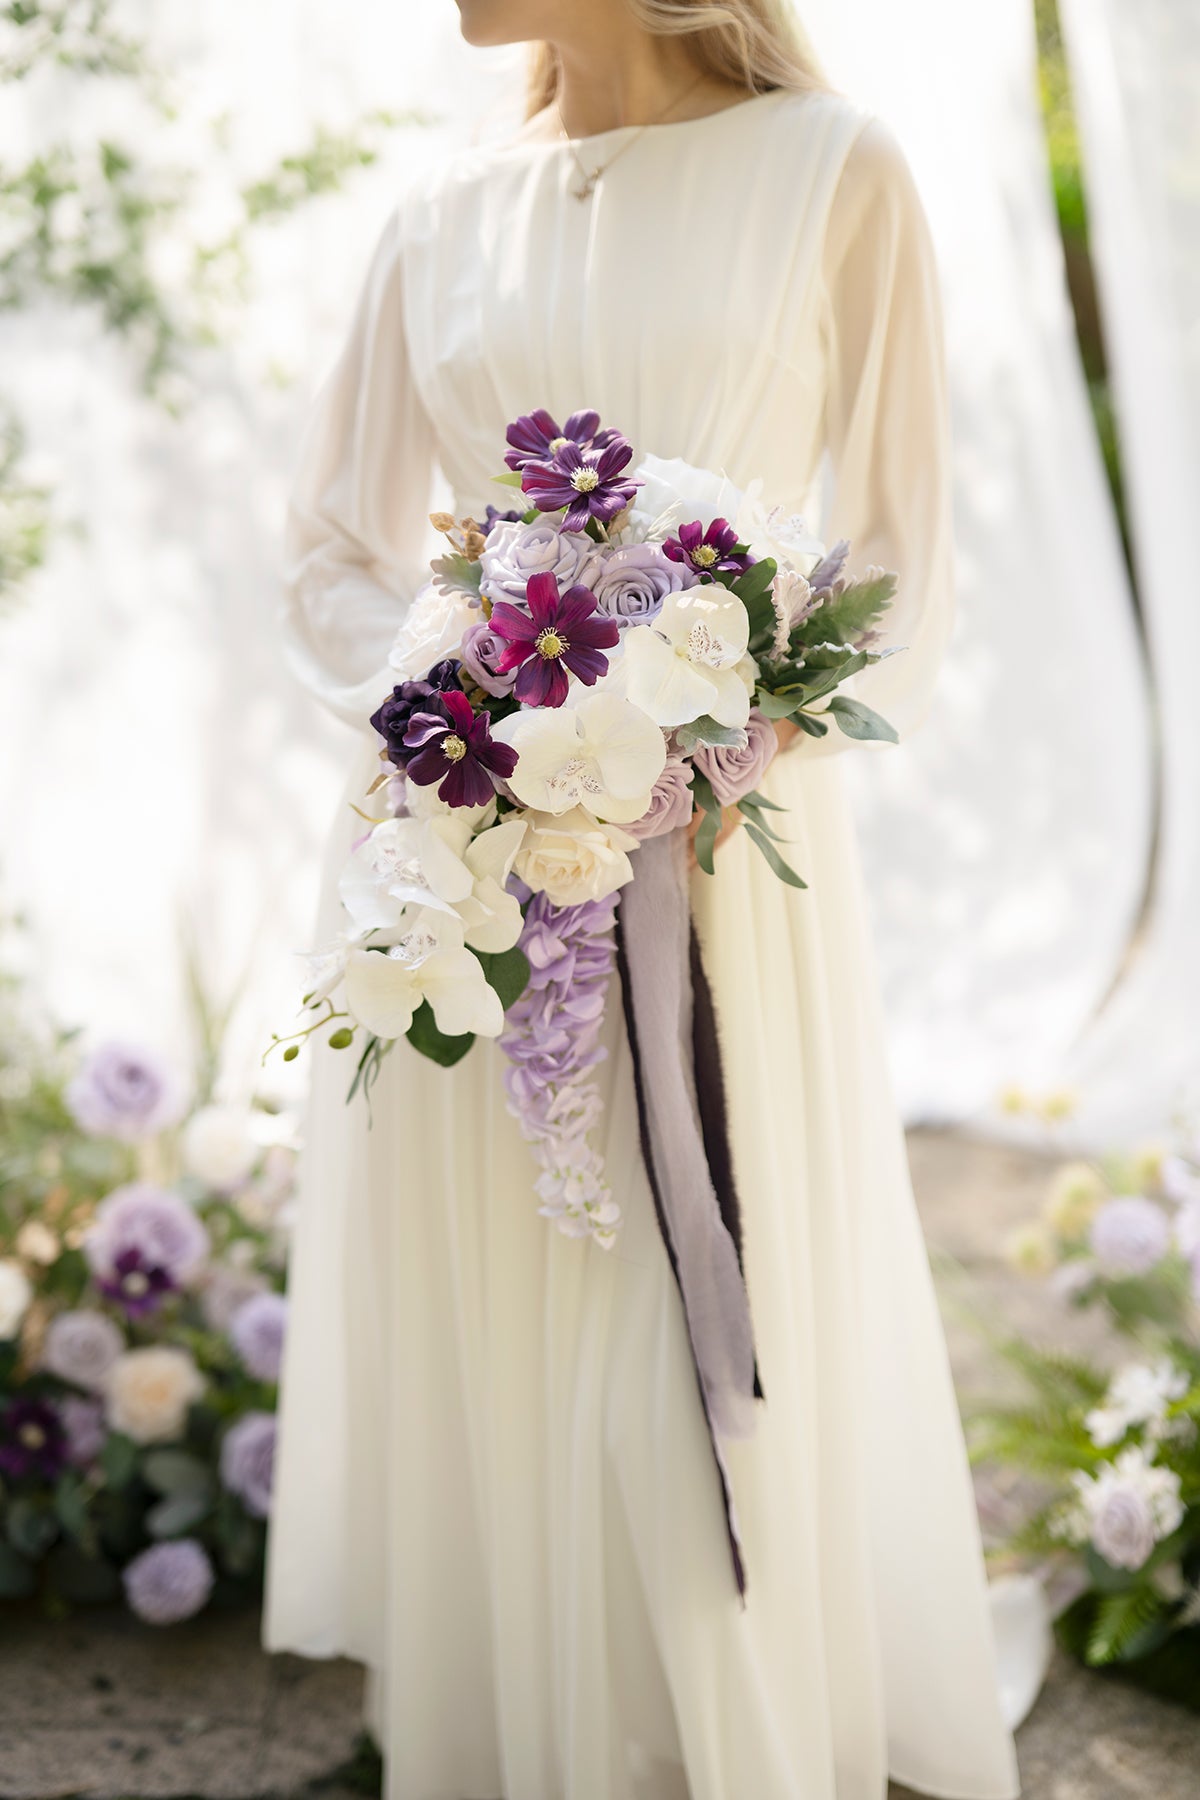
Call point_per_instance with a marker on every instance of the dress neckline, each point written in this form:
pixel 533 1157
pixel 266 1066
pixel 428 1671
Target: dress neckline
pixel 561 142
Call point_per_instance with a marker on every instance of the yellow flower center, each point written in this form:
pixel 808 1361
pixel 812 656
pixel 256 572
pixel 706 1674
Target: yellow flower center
pixel 453 747
pixel 550 644
pixel 135 1283
pixel 557 443
pixel 32 1436
pixel 704 555
pixel 585 481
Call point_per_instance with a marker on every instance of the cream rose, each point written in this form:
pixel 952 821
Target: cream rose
pixel 15 1295
pixel 571 857
pixel 149 1392
pixel 433 628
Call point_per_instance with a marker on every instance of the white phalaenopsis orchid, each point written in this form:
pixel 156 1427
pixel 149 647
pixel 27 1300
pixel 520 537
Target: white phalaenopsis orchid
pixel 596 750
pixel 773 531
pixel 436 863
pixel 691 661
pixel 430 962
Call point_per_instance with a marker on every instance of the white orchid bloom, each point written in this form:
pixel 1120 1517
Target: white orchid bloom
pixel 384 988
pixel 491 916
pixel 405 862
pixel 597 750
pixel 691 660
pixel 774 532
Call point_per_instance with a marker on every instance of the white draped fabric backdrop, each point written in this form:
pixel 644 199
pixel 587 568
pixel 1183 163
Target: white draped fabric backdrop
pixel 156 763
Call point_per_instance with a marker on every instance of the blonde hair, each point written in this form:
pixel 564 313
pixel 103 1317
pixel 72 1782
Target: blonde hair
pixel 755 45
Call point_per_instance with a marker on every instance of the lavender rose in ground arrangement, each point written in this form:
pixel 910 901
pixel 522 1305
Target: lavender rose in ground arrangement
pixel 124 1092
pixel 580 684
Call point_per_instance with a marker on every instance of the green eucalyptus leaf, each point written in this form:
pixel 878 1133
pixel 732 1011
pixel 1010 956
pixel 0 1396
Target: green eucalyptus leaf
pixel 423 1035
pixel 774 861
pixel 176 1472
pixel 754 798
pixel 834 677
pixel 705 841
pixel 18 1577
pixel 84 1580
pixel 507 971
pixel 780 706
pixel 862 722
pixel 705 730
pixel 31 1525
pixel 118 1459
pixel 813 726
pixel 178 1513
pixel 71 1506
pixel 752 815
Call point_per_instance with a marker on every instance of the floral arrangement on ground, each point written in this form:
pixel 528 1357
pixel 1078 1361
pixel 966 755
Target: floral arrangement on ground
pixel 142 1243
pixel 1107 1447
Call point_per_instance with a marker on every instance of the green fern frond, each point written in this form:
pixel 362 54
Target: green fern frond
pixel 1120 1620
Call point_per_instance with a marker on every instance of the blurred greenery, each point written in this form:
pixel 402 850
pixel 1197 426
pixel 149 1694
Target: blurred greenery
pixel 97 224
pixel 1066 173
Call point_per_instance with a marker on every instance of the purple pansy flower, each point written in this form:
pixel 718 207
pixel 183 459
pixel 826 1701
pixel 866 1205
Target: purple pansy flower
pixel 589 483
pixel 448 742
pixel 559 633
pixel 135 1283
pixel 394 717
pixel 707 551
pixel 536 437
pixel 32 1440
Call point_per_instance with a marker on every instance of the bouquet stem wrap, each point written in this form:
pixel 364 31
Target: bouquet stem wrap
pixel 681 1113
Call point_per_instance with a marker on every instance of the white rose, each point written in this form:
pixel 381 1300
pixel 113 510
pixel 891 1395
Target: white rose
pixel 149 1392
pixel 573 858
pixel 432 629
pixel 15 1295
pixel 682 492
pixel 219 1148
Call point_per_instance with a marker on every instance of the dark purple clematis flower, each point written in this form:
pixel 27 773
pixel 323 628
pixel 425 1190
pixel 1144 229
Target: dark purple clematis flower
pixel 493 517
pixel 559 633
pixel 588 483
pixel 32 1441
pixel 707 551
pixel 395 715
pixel 449 743
pixel 535 437
pixel 135 1284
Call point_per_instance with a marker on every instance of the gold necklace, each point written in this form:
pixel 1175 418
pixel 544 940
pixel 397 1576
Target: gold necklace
pixel 586 185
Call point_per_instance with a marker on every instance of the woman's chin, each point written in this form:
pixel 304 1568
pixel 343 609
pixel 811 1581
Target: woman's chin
pixel 489 22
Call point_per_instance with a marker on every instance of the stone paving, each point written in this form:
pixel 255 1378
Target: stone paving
pixel 100 1707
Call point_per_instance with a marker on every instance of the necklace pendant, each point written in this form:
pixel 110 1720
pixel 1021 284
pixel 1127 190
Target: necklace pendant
pixel 585 187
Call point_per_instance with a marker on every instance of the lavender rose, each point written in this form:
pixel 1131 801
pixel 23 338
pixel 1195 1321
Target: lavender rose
pixel 257 1333
pixel 479 653
pixel 84 1429
pixel 736 769
pixel 670 801
pixel 248 1462
pixel 633 580
pixel 169 1582
pixel 81 1347
pixel 514 552
pixel 1123 1529
pixel 124 1092
pixel 1130 1236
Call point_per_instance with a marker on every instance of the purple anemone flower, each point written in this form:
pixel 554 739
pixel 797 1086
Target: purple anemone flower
pixel 588 483
pixel 451 744
pixel 559 633
pixel 137 1285
pixel 393 718
pixel 707 551
pixel 32 1441
pixel 536 437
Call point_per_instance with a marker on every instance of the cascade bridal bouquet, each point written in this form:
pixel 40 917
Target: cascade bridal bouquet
pixel 595 670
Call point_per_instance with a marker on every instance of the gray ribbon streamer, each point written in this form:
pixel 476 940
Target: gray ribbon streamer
pixel 656 939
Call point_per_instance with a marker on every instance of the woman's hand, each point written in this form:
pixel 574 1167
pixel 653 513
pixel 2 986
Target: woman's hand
pixel 731 817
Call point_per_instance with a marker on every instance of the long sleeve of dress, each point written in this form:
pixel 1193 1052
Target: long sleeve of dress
pixel 886 420
pixel 357 514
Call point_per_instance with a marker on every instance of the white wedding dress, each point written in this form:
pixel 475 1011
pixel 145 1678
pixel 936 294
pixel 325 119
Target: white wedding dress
pixel 494 1485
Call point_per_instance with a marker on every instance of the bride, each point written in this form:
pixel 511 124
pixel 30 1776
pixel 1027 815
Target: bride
pixel 496 1483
